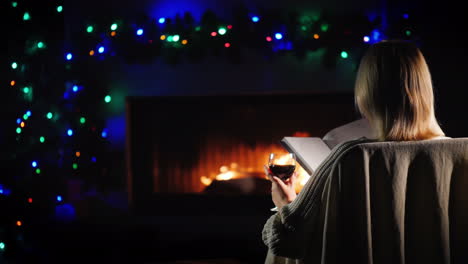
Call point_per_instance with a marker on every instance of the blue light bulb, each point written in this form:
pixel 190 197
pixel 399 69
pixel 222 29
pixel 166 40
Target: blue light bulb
pixel 75 88
pixel 69 56
pixel 101 49
pixel 278 36
pixel 139 32
pixel 34 164
pixel 162 20
pixel 70 132
pixel 255 19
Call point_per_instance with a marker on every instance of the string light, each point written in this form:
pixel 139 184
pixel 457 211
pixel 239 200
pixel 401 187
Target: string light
pixel 162 20
pixel 30 200
pixel 18 223
pixel 227 44
pixel 18 121
pixel 113 33
pixel 163 37
pixel 89 29
pixel 28 113
pixel 278 36
pixel 70 132
pixel 18 130
pixel 59 9
pixel 405 16
pixel 26 90
pixel 40 45
pixel 14 65
pixel 2 246
pixel 113 27
pixel 22 124
pixel 316 36
pixel 69 56
pixel 344 54
pixel 42 139
pixel 26 16
pixel 255 19
pixel 78 154
pixel 59 198
pixel 175 38
pixel 82 120
pixel 139 32
pixel 229 26
pixel 34 164
pixel 12 83
pixel 324 27
pixel 14 4
pixel 366 39
pixel 75 166
pixel 268 39
pixel 213 34
pixel 222 31
pixel 49 115
pixel 107 99
pixel 75 88
pixel 169 39
pixel 184 42
pixel 101 49
pixel 408 33
pixel 38 171
pixel 93 159
pixel 25 117
pixel 91 53
pixel 104 133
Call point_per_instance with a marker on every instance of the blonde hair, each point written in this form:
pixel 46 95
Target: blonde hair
pixel 393 90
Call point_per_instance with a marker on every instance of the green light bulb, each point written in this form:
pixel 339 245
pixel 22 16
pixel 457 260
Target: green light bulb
pixel 26 16
pixel 38 171
pixel 14 4
pixel 222 31
pixel 2 246
pixel 59 9
pixel 14 65
pixel 113 26
pixel 304 28
pixel 90 29
pixel 18 130
pixel 408 33
pixel 49 115
pixel 169 38
pixel 344 54
pixel 40 44
pixel 25 117
pixel 42 139
pixel 175 38
pixel 26 90
pixel 107 99
pixel 82 120
pixel 324 27
pixel 75 166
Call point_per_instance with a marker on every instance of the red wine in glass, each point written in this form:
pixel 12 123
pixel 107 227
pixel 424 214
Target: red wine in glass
pixel 283 172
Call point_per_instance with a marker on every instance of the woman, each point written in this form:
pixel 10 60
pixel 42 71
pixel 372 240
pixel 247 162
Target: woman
pixel 393 91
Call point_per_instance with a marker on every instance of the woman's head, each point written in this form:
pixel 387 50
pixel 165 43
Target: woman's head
pixel 393 91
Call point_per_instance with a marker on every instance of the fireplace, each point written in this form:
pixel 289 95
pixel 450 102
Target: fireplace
pixel 218 144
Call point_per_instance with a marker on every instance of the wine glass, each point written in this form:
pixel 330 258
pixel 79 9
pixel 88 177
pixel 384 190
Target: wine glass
pixel 281 166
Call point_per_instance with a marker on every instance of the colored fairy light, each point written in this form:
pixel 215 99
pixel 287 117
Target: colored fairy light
pixel 14 4
pixel 161 20
pixel 70 132
pixel 139 32
pixel 344 54
pixel 405 16
pixel 101 49
pixel 14 65
pixel 303 28
pixel 324 27
pixel 255 19
pixel 175 38
pixel 42 139
pixel 59 9
pixel 229 26
pixel 69 56
pixel 2 246
pixel 22 124
pixel 222 31
pixel 59 198
pixel 213 34
pixel 89 29
pixel 75 88
pixel 82 120
pixel 30 200
pixel 28 113
pixel 34 164
pixel 268 39
pixel 227 44
pixel 197 28
pixel 75 166
pixel 49 115
pixel 25 117
pixel 26 90
pixel 113 26
pixel 93 159
pixel 18 121
pixel 40 44
pixel 113 33
pixel 184 42
pixel 408 33
pixel 38 171
pixel 375 35
pixel 26 16
pixel 163 37
pixel 278 36
pixel 91 53
pixel 169 38
pixel 12 83
pixel 107 99
pixel 78 154
pixel 104 133
pixel 19 223
pixel 366 39
pixel 316 36
pixel 18 130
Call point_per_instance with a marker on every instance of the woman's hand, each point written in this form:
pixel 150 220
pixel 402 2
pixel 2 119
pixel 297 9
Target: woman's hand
pixel 282 192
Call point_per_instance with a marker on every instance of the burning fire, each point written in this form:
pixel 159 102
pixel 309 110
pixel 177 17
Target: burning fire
pixel 232 172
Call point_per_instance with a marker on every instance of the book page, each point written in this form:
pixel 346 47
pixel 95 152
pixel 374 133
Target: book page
pixel 354 130
pixel 310 151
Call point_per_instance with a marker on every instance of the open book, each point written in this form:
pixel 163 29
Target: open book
pixel 311 151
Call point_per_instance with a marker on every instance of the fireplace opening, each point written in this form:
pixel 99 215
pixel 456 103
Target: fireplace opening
pixel 219 144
